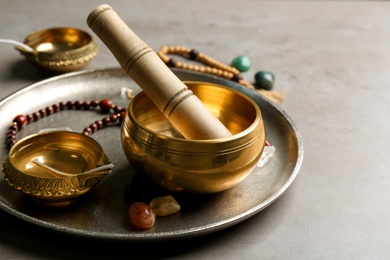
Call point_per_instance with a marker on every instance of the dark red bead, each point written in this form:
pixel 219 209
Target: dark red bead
pixel 49 110
pixel 237 77
pixel 87 131
pixel 99 124
pixel 94 127
pixel 12 132
pixel 11 142
pixel 86 105
pixel 106 121
pixel 78 104
pixel 105 105
pixel 70 104
pixel 113 118
pixel 37 116
pixel 62 105
pixel 13 128
pixel 94 103
pixel 56 108
pixel 117 109
pixel 30 118
pixel 171 63
pixel 193 54
pixel 42 112
pixel 267 143
pixel 11 136
pixel 122 115
pixel 20 121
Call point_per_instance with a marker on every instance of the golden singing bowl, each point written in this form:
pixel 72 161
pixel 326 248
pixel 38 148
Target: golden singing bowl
pixel 60 49
pixel 56 167
pixel 153 147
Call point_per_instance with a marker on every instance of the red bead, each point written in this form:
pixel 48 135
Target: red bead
pixel 99 124
pixel 37 116
pixel 171 63
pixel 86 105
pixel 141 215
pixel 56 108
pixel 106 121
pixel 11 132
pixel 122 115
pixel 70 104
pixel 94 103
pixel 30 118
pixel 49 110
pixel 237 77
pixel 11 142
pixel 105 105
pixel 78 105
pixel 87 131
pixel 94 127
pixel 20 121
pixel 117 109
pixel 11 136
pixel 42 112
pixel 62 105
pixel 13 128
pixel 193 54
pixel 113 118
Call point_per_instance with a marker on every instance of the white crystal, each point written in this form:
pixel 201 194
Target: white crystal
pixel 164 206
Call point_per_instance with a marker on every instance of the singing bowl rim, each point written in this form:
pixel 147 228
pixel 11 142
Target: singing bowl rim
pixel 258 119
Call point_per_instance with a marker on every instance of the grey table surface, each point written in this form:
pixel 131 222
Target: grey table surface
pixel 332 58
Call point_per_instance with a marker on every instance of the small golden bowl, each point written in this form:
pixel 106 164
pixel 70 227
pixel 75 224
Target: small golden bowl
pixel 59 49
pixel 154 147
pixel 56 167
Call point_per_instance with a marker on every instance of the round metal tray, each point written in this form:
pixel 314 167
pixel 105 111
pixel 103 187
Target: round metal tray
pixel 102 213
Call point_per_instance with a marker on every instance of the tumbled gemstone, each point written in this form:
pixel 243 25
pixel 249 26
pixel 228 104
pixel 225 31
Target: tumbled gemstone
pixel 164 206
pixel 241 63
pixel 141 215
pixel 264 80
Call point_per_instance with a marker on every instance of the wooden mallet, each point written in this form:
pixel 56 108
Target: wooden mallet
pixel 172 97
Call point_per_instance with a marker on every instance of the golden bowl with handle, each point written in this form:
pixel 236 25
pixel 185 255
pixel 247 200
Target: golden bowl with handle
pixel 59 49
pixel 56 167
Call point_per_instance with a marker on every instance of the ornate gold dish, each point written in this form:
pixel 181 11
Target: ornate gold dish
pixel 153 147
pixel 59 49
pixel 55 167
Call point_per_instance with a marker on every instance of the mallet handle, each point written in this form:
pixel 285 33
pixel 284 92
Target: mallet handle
pixel 183 109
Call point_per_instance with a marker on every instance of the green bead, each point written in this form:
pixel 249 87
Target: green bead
pixel 264 80
pixel 241 63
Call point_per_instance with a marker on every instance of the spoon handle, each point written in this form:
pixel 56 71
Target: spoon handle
pixel 19 44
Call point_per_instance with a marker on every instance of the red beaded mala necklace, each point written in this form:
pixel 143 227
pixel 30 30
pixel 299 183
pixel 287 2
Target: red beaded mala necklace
pixel 105 106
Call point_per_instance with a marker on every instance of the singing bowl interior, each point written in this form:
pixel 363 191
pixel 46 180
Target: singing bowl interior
pixel 60 49
pixel 68 152
pixel 154 147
